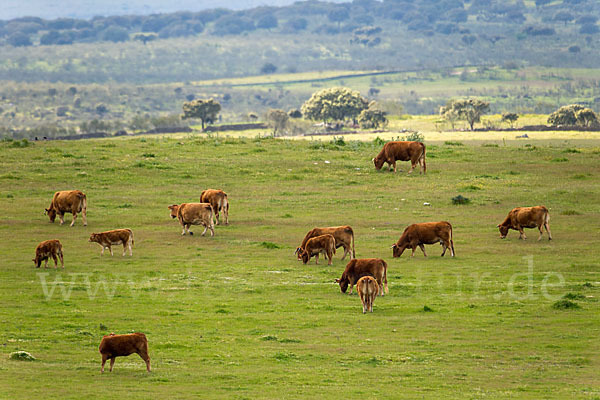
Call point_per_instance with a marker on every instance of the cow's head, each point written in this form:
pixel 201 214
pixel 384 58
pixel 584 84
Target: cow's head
pixel 304 256
pixel 93 237
pixel 51 212
pixel 343 282
pixel 174 209
pixel 37 262
pixel 378 163
pixel 397 250
pixel 298 252
pixel 503 230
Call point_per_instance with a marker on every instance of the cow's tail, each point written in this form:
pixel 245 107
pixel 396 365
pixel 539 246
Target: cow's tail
pixel 225 208
pixel 451 241
pixel 351 232
pixel 422 158
pixel 131 236
pixel 546 215
pixel 385 275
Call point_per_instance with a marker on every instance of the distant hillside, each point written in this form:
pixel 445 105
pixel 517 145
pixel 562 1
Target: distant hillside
pixel 304 36
pixel 86 9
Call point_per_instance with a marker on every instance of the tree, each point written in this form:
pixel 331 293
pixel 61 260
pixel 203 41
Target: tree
pixel 338 15
pixel 469 110
pixel 145 37
pixel 19 39
pixel 115 34
pixel 564 16
pixel 509 117
pixel 573 115
pixel 589 29
pixel 277 120
pixel 295 113
pixel 205 110
pixel 268 68
pixel 372 118
pixel 267 21
pixel 337 103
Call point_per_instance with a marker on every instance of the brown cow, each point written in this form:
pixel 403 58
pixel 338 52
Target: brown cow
pixel 367 288
pixel 113 346
pixel 46 249
pixel 343 235
pixel 218 201
pixel 320 244
pixel 360 267
pixel 526 217
pixel 402 151
pixel 190 214
pixel 72 201
pixel 425 233
pixel 117 236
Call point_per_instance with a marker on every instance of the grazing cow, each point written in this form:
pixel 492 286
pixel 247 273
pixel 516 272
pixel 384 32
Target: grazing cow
pixel 425 233
pixel 117 236
pixel 218 201
pixel 72 201
pixel 357 268
pixel 190 214
pixel 526 217
pixel 367 288
pixel 113 346
pixel 320 244
pixel 46 249
pixel 343 235
pixel 402 151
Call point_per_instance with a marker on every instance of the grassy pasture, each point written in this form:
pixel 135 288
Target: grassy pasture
pixel 236 316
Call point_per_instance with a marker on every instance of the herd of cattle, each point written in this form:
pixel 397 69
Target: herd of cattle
pixel 369 274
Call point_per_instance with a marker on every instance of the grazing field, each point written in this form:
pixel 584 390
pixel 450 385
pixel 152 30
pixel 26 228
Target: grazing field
pixel 236 316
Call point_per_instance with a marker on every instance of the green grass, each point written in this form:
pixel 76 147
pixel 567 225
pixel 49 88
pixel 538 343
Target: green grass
pixel 237 316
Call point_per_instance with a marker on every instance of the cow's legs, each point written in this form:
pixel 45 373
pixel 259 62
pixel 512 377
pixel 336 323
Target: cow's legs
pixel 541 232
pixel 61 217
pixel 55 261
pixel 204 231
pixel 412 166
pixel 394 164
pixel 104 357
pixel 112 362
pixel 547 225
pixel 46 263
pixel 102 252
pixel 84 216
pixel 110 248
pixel 130 250
pixel 413 251
pixel 444 247
pixel 423 249
pixel 330 256
pixel 62 260
pixel 74 218
pixel 125 248
pixel 521 233
pixel 317 259
pixel 346 251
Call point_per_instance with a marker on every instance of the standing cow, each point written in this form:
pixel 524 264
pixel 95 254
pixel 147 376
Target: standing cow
pixel 73 201
pixel 116 236
pixel 113 346
pixel 425 233
pixel 190 214
pixel 526 217
pixel 343 235
pixel 367 288
pixel 402 151
pixel 218 201
pixel 359 267
pixel 49 248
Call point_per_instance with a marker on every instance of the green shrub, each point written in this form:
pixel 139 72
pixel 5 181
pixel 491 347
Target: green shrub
pixel 460 200
pixel 21 356
pixel 565 305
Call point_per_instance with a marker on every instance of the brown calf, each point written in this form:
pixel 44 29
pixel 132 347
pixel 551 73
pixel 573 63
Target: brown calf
pixel 218 201
pixel 117 236
pixel 190 214
pixel 367 288
pixel 526 217
pixel 320 244
pixel 343 235
pixel 73 201
pixel 46 249
pixel 357 268
pixel 401 151
pixel 425 233
pixel 113 346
